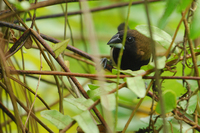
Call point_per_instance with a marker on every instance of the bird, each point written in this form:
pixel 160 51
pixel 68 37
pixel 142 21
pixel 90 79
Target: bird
pixel 137 50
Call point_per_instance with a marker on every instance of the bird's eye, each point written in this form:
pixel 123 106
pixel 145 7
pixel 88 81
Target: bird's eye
pixel 129 39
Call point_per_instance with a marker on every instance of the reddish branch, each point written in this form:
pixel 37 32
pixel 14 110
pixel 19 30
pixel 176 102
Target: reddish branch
pixel 187 120
pixel 94 9
pixel 86 75
pixel 7 13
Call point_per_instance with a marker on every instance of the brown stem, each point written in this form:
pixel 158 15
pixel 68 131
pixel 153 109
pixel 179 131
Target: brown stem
pixel 5 74
pixel 68 127
pixel 5 110
pixel 187 120
pixel 192 51
pixel 26 109
pixel 29 89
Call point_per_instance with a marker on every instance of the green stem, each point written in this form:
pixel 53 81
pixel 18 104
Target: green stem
pixel 119 62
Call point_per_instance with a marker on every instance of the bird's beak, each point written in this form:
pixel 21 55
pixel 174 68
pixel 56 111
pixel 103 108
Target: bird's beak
pixel 116 42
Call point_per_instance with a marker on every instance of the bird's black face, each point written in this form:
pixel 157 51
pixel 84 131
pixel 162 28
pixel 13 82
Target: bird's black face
pixel 117 39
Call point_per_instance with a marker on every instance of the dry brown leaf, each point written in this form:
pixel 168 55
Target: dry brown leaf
pixel 28 43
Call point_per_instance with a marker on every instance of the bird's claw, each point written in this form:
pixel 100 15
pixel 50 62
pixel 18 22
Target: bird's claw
pixel 106 64
pixel 103 62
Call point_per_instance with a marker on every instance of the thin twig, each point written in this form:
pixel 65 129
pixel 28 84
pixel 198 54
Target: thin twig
pixel 192 51
pixel 179 24
pixel 28 116
pixel 30 90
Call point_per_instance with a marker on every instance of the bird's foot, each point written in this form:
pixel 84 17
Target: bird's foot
pixel 106 64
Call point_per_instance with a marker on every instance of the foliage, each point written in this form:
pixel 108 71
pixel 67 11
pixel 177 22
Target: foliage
pixel 77 97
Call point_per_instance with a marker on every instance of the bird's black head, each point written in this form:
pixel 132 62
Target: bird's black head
pixel 117 39
pixel 137 48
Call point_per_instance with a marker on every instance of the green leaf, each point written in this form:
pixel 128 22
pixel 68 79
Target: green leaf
pixel 193 84
pixel 93 86
pixel 159 121
pixel 108 101
pixel 146 67
pixel 58 48
pixel 13 1
pixel 160 62
pixel 197 49
pixel 86 122
pixel 132 73
pixel 56 118
pixel 114 71
pixel 95 94
pixel 80 103
pixel 170 7
pixel 184 4
pixel 192 105
pixel 183 104
pixel 162 38
pixel 169 99
pixel 128 72
pixel 137 85
pixel 23 5
pixel 195 26
pixel 147 119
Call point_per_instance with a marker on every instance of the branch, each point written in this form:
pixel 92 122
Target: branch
pixel 86 75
